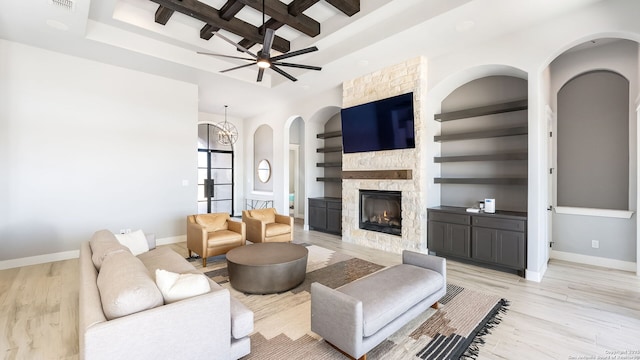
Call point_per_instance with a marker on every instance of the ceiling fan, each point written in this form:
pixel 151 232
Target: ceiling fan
pixel 263 59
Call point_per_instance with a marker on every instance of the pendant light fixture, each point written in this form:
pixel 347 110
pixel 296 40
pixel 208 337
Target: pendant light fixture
pixel 227 132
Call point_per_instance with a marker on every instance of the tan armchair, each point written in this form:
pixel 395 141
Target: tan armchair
pixel 265 225
pixel 213 234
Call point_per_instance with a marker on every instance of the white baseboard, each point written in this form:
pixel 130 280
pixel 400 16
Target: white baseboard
pixel 39 259
pixel 73 254
pixel 536 275
pixel 594 260
pixel 171 240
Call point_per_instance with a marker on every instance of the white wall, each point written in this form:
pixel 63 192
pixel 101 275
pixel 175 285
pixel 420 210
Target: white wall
pixel 87 146
pixel 314 113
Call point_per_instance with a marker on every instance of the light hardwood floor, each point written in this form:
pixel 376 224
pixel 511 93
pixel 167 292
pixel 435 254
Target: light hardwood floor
pixel 576 312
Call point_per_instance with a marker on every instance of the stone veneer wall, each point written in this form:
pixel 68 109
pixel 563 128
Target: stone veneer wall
pixel 403 78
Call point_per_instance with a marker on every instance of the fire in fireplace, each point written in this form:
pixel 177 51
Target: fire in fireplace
pixel 381 211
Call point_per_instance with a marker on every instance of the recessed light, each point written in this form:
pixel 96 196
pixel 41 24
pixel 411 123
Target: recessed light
pixel 57 25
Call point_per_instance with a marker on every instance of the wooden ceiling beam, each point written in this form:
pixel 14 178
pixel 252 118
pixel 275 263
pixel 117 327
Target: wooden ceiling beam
pixel 349 7
pixel 279 11
pixel 270 24
pixel 296 7
pixel 211 16
pixel 227 12
pixel 163 15
pixel 230 9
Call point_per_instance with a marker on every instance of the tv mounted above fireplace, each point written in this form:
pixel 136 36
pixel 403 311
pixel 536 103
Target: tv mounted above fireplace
pixel 386 124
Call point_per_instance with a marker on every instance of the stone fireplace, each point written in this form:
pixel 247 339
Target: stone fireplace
pixel 400 172
pixel 381 211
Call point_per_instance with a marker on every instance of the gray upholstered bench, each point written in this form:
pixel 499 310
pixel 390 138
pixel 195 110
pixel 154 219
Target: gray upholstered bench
pixel 358 316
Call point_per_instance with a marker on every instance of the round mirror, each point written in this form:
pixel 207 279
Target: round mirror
pixel 264 170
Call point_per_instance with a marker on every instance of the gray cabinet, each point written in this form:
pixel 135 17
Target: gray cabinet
pixel 325 214
pixel 496 239
pixel 450 234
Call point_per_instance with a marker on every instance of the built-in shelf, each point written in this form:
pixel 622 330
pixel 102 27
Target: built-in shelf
pixel 519 130
pixel 481 181
pixel 329 179
pixel 486 157
pixel 329 164
pixel 330 149
pixel 328 135
pixel 483 110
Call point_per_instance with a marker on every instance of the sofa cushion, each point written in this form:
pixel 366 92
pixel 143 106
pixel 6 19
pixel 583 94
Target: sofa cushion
pixel 167 259
pixel 390 292
pixel 175 287
pixel 265 215
pixel 223 236
pixel 103 243
pixel 125 286
pixel 276 229
pixel 136 242
pixel 213 222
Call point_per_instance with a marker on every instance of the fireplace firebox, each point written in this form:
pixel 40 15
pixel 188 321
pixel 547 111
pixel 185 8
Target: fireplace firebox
pixel 381 211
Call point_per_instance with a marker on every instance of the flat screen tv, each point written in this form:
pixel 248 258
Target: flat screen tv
pixel 385 124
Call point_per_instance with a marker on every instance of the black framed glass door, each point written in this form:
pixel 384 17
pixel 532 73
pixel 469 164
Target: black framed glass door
pixel 215 172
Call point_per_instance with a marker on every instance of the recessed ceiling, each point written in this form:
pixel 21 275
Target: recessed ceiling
pixel 384 32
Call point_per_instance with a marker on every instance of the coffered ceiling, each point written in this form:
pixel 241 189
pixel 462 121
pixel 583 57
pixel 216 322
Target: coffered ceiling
pixel 163 37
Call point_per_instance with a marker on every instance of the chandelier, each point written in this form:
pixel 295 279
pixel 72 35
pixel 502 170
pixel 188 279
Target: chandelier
pixel 227 132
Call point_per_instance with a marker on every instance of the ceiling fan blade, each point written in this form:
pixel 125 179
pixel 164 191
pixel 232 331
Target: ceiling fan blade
pixel 294 53
pixel 300 66
pixel 226 56
pixel 260 73
pixel 238 67
pixel 238 46
pixel 268 41
pixel 281 72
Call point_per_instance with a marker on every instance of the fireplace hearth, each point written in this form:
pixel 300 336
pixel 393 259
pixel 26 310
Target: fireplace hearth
pixel 381 211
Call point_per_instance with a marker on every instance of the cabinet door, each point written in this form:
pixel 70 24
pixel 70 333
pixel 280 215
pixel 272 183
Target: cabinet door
pixel 334 220
pixel 511 249
pixel 436 236
pixel 459 240
pixel 318 217
pixel 484 244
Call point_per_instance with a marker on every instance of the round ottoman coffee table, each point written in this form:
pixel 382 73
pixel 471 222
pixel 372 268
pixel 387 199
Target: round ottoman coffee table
pixel 266 268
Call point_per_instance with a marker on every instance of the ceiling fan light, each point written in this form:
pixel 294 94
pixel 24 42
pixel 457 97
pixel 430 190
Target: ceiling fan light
pixel 264 63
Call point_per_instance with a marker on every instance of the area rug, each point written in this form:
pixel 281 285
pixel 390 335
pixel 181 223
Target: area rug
pixel 282 322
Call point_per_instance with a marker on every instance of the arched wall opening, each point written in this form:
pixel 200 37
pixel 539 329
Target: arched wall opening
pixel 590 231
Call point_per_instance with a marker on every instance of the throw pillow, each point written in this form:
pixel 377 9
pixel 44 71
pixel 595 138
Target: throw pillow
pixel 213 222
pixel 136 242
pixel 126 286
pixel 176 287
pixel 103 244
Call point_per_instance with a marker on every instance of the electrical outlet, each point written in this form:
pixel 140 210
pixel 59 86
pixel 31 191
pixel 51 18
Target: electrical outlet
pixel 595 244
pixel 128 231
pixel 122 231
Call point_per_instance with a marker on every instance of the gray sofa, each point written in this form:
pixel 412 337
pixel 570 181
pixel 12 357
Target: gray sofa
pixel 212 325
pixel 358 316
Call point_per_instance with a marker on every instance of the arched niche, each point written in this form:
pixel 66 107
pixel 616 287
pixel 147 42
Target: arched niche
pixel 595 228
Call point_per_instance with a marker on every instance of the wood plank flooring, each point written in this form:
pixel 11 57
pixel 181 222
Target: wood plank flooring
pixel 576 312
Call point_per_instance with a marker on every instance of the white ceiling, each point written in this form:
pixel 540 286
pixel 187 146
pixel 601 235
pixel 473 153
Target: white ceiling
pixel 384 32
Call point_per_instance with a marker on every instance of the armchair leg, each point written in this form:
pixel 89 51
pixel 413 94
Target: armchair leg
pixel 189 252
pixel 204 261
